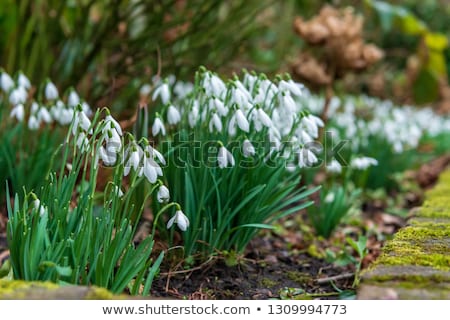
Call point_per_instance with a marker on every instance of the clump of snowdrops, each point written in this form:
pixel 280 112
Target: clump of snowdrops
pixel 235 153
pixel 33 123
pixel 63 232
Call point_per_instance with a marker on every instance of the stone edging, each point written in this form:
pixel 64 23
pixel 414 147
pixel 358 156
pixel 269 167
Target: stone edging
pixel 415 264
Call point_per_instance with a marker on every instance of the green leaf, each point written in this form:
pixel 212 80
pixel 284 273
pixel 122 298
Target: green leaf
pixel 436 41
pixel 425 87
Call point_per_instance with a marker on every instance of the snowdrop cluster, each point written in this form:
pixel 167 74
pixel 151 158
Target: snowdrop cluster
pixel 35 111
pixel 250 110
pixel 105 141
pixel 362 119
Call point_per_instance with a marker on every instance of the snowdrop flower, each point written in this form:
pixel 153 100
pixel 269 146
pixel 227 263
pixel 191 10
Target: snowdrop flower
pixel 151 168
pixel 73 99
pixel 86 108
pixel 118 192
pixel 82 142
pixel 33 123
pixel 108 158
pixel 216 123
pixel 291 86
pixel 264 118
pixel 232 126
pixel 23 81
pixel 242 121
pixel 145 90
pixel 18 96
pixel 158 127
pixel 310 126
pixel 334 167
pixel 287 103
pixel 362 163
pixel 44 115
pixel 180 219
pixel 306 158
pixel 18 112
pixel 6 82
pixel 240 97
pixel 38 206
pixel 193 115
pixel 173 115
pixel 163 194
pixel 153 152
pixel 162 91
pixel 225 158
pixel 51 93
pixel 134 159
pixel 81 121
pixel 248 149
pixel 217 104
pixel 329 198
pixel 216 86
pixel 112 123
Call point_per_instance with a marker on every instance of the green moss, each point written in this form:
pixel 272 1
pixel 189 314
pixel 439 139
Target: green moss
pixel 314 252
pixel 414 279
pixel 420 233
pixel 100 294
pixel 9 286
pixel 437 261
pixel 298 277
pixel 268 283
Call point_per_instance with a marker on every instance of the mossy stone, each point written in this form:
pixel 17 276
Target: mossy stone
pixel 36 290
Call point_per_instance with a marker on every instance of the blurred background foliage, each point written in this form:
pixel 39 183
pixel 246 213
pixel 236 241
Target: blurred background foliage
pixel 108 48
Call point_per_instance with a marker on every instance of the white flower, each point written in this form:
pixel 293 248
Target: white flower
pixel 218 105
pixel 44 115
pixel 247 148
pixel 33 123
pixel 118 192
pixel 329 198
pixel 81 120
pixel 109 157
pixel 153 152
pixel 287 103
pixel 225 158
pixel 23 81
pixel 82 142
pixel 291 86
pixel 180 219
pixel 215 122
pixel 193 115
pixel 158 126
pixel 73 99
pixel 6 82
pixel 216 85
pixel 18 96
pixel 306 158
pixel 163 194
pixel 18 112
pixel 145 90
pixel 112 123
pixel 173 115
pixel 242 121
pixel 134 159
pixel 264 118
pixel 38 206
pixel 162 91
pixel 334 167
pixel 150 169
pixel 86 108
pixel 362 163
pixel 51 93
